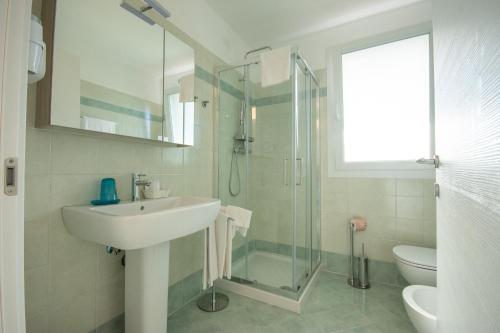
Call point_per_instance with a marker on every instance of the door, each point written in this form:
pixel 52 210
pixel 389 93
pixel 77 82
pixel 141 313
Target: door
pixel 467 90
pixel 14 35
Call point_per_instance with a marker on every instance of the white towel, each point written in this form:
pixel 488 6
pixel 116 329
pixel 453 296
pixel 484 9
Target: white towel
pixel 241 218
pixel 221 231
pixel 217 261
pixel 210 273
pixel 98 125
pixel 186 89
pixel 275 66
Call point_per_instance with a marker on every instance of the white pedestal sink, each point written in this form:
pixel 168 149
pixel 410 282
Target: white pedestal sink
pixel 143 229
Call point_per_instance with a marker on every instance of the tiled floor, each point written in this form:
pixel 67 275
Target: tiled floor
pixel 332 307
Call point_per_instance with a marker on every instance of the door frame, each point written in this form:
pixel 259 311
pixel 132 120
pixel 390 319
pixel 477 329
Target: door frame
pixel 14 45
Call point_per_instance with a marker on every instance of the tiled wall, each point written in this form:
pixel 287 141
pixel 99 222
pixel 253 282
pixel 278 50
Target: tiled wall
pixel 399 211
pixel 73 285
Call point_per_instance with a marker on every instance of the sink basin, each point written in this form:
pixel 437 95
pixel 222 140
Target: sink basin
pixel 135 225
pixel 144 229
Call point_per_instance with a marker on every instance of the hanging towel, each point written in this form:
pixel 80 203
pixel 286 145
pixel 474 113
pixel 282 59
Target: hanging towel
pixel 186 89
pixel 240 219
pixel 223 244
pixel 217 261
pixel 275 66
pixel 210 270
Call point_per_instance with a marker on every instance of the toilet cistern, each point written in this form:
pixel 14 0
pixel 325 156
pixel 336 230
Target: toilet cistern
pixel 137 182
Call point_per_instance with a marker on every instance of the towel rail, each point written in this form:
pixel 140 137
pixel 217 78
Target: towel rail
pixel 257 50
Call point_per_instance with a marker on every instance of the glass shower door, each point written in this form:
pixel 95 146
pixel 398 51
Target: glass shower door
pixel 256 164
pixel 270 182
pixel 302 222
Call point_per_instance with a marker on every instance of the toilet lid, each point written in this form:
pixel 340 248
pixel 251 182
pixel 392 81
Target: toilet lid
pixel 416 255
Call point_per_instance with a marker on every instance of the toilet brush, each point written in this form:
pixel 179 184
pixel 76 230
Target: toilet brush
pixel 361 281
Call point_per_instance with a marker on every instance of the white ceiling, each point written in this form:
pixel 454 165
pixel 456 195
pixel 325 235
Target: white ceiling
pixel 263 22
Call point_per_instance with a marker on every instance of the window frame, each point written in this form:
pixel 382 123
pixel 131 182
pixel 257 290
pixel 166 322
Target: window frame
pixel 337 166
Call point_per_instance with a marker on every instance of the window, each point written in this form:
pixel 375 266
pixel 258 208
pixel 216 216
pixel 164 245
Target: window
pixel 381 107
pixel 179 120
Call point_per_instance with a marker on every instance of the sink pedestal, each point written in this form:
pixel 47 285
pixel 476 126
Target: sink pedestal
pixel 146 289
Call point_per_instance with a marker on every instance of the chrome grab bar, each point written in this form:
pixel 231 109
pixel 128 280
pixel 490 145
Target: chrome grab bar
pixel 434 161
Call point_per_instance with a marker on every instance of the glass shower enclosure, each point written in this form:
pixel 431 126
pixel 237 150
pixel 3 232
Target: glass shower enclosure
pixel 269 162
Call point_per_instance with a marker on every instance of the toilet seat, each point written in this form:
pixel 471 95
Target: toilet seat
pixel 415 256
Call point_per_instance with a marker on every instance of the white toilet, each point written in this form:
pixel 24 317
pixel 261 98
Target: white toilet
pixel 418 267
pixel 416 264
pixel 420 303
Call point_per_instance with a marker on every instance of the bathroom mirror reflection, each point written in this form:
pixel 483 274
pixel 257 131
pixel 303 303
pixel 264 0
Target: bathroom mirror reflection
pixel 117 74
pixel 178 110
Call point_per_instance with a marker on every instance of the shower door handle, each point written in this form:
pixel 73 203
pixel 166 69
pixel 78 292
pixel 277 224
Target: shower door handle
pixel 299 170
pixel 285 171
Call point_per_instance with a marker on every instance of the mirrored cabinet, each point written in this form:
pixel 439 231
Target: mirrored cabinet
pixel 111 72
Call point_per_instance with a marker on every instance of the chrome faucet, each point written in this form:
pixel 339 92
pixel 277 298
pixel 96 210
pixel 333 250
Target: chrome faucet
pixel 137 182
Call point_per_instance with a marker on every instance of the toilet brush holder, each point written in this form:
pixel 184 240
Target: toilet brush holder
pixel 357 279
pixel 363 273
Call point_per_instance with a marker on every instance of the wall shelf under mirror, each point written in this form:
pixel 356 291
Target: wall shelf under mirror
pixel 115 74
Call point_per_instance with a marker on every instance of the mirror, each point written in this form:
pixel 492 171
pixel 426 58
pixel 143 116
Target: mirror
pixel 178 111
pixel 117 74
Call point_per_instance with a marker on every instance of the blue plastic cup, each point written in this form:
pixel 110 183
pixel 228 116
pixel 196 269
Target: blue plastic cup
pixel 108 190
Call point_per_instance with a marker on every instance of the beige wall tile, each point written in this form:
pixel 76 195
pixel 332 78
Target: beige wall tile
pixel 410 207
pixel 36 243
pixel 110 301
pixel 36 288
pixel 38 152
pixel 74 154
pixel 77 315
pixel 70 278
pixel 410 187
pixel 37 197
pixel 38 323
pixel 117 157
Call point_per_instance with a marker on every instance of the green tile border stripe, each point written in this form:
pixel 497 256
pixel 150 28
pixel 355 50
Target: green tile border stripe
pixel 203 75
pixel 271 100
pixel 227 88
pixel 239 94
pixel 284 98
pixel 95 103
